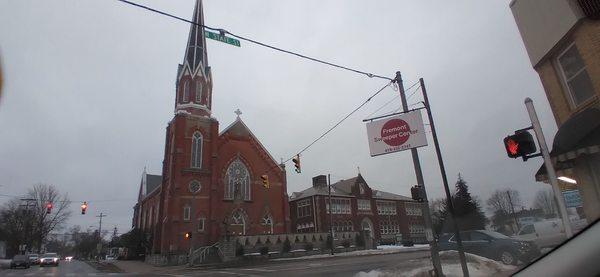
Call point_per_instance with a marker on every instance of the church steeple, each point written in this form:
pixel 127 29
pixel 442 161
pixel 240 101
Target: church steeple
pixel 195 53
pixel 194 80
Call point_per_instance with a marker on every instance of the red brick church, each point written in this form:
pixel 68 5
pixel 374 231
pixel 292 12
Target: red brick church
pixel 223 168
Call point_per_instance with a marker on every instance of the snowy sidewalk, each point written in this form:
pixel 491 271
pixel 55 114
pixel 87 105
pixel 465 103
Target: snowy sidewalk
pixel 478 266
pixel 381 250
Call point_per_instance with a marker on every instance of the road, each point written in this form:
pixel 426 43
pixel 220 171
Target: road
pixel 73 268
pixel 330 267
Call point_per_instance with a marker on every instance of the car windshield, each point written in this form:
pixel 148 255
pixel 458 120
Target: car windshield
pixel 413 131
pixel 19 258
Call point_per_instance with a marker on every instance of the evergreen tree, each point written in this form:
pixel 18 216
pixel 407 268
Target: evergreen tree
pixel 467 211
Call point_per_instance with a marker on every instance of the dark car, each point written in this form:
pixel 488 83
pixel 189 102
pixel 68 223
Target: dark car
pixel 19 261
pixel 492 245
pixel 49 259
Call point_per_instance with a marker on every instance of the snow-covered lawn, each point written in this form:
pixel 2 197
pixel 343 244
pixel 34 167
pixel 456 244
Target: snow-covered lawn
pixel 478 266
pixel 383 249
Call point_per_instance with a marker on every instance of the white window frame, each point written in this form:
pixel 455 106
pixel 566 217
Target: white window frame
pixel 363 204
pixel 186 91
pixel 563 77
pixel 201 222
pixel 301 209
pixel 198 92
pixel 187 212
pixel 197 141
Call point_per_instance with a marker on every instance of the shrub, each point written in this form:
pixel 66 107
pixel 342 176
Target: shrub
pixel 264 250
pixel 287 246
pixel 360 240
pixel 346 243
pixel 239 250
pixel 308 246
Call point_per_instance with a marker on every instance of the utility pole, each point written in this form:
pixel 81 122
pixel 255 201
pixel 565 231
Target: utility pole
pixel 461 252
pixel 512 210
pixel 435 258
pixel 560 201
pixel 99 246
pixel 330 214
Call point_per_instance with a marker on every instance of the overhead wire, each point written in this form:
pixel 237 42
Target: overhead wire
pixel 339 122
pixel 223 31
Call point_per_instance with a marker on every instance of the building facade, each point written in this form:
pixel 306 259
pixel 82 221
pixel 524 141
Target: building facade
pixel 355 206
pixel 211 180
pixel 562 39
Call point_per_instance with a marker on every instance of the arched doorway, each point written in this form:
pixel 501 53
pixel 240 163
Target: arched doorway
pixel 367 226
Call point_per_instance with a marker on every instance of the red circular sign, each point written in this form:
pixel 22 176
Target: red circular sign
pixel 395 132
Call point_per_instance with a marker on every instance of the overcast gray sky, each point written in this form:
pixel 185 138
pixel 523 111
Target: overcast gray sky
pixel 89 89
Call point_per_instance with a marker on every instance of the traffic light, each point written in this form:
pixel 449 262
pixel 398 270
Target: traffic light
pixel 188 235
pixel 417 193
pixel 296 161
pixel 520 144
pixel 84 207
pixel 49 207
pixel 265 181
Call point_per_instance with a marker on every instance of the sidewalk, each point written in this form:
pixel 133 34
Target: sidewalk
pixel 140 267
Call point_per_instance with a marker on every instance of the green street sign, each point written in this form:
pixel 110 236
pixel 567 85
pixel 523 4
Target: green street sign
pixel 221 38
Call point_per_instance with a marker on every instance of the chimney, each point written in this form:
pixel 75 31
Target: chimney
pixel 320 181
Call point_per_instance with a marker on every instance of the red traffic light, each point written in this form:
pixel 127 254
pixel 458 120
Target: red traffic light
pixel 520 144
pixel 83 207
pixel 49 207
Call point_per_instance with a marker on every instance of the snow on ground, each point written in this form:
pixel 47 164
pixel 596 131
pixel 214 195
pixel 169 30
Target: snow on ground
pixel 478 266
pixel 382 249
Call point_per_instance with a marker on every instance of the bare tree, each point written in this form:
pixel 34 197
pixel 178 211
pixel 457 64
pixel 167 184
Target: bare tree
pixel 504 201
pixel 544 200
pixel 26 221
pixel 45 223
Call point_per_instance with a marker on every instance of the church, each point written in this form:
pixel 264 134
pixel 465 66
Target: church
pixel 211 184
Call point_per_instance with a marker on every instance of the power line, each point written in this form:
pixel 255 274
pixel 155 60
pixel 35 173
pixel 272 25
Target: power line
pixel 223 31
pixel 396 97
pixel 340 122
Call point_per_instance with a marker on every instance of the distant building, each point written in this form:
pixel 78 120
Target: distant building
pixel 356 206
pixel 562 38
pixel 223 168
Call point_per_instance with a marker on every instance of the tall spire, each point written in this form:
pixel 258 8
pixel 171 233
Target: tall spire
pixel 194 81
pixel 195 53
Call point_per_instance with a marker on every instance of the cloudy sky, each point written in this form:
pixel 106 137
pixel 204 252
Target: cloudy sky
pixel 89 89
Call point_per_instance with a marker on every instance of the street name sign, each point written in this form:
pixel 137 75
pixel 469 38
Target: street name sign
pixel 396 133
pixel 221 38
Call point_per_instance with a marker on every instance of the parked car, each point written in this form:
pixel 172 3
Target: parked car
pixel 49 259
pixel 34 259
pixel 492 245
pixel 19 261
pixel 547 233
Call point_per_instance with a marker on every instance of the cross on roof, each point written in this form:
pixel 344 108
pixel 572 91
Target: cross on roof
pixel 238 112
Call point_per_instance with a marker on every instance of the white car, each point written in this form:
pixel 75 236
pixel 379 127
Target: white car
pixel 547 233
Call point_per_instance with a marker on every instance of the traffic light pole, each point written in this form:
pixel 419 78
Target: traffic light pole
pixel 461 252
pixel 537 128
pixel 435 257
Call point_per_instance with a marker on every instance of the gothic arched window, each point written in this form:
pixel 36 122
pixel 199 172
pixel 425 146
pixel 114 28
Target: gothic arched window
pixel 198 91
pixel 197 150
pixel 186 91
pixel 237 181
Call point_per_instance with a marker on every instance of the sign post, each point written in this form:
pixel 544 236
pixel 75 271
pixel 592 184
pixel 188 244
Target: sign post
pixel 537 128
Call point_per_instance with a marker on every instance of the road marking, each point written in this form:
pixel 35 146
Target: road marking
pixel 258 269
